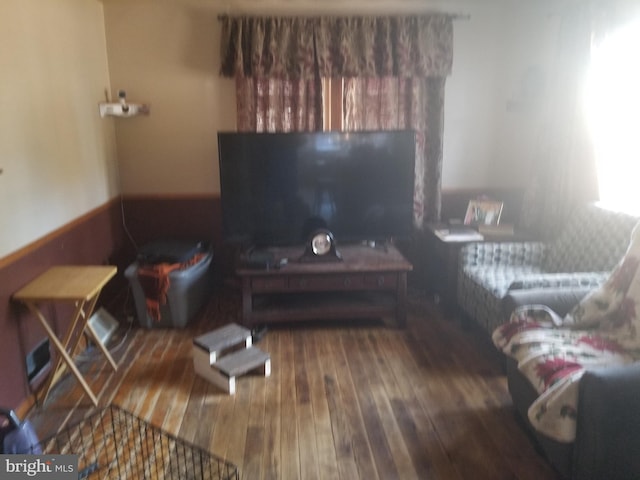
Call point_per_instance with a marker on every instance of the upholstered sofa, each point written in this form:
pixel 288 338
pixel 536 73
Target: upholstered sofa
pixel 579 259
pixel 594 384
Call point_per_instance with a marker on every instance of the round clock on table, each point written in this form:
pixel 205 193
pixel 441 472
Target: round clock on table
pixel 321 246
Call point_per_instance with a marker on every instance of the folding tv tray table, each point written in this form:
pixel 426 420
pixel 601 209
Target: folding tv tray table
pixel 81 286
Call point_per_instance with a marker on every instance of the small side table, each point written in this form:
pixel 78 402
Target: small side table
pixel 442 266
pixel 80 285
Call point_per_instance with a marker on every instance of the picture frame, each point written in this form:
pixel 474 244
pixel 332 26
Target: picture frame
pixel 483 212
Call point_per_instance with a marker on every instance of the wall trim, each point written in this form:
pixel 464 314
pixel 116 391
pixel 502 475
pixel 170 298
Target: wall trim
pixel 35 245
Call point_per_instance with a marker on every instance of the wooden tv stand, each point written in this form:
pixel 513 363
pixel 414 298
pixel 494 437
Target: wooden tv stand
pixel 370 282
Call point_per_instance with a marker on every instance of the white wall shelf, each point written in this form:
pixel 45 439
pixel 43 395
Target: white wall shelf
pixel 123 110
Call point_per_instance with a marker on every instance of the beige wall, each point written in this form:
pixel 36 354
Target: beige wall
pixel 490 136
pixel 166 53
pixel 57 155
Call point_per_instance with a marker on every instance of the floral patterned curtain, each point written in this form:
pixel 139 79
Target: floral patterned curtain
pixel 278 105
pixel 273 62
pixel 416 46
pixel 305 47
pixel 268 47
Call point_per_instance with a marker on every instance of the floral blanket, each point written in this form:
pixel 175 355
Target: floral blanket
pixel 553 352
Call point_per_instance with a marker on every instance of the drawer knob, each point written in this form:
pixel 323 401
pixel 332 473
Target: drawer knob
pixel 347 282
pixel 380 281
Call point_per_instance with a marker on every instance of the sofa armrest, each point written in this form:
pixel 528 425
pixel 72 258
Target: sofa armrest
pixel 501 253
pixel 608 428
pixel 560 300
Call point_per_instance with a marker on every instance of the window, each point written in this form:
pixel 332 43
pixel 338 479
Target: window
pixel 613 105
pixel 332 103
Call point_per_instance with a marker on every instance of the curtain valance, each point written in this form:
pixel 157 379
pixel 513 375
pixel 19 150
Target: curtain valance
pixel 268 47
pixel 304 47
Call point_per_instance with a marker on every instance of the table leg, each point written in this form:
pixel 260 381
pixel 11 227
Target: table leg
pixel 83 313
pixel 247 300
pixel 60 365
pixel 62 351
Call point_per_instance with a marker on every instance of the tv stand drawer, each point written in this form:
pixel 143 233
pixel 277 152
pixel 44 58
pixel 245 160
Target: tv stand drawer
pixel 318 283
pixel 269 284
pixel 381 281
pixel 326 282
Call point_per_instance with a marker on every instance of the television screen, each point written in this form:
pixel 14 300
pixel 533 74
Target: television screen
pixel 276 188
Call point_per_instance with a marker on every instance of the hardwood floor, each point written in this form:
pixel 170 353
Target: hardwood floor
pixel 350 401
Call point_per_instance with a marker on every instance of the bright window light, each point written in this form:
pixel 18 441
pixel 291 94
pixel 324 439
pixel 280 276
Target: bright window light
pixel 613 105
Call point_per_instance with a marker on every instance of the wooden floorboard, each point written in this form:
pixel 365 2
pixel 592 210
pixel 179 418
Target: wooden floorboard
pixel 345 400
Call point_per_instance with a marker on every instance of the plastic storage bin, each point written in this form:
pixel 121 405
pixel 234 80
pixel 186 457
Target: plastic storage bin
pixel 189 289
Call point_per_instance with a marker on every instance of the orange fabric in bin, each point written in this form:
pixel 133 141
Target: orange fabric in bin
pixel 154 280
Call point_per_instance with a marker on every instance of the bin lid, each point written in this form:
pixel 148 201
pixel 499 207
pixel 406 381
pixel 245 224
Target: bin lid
pixel 170 251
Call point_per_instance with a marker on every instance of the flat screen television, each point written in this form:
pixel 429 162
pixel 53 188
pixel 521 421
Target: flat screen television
pixel 277 188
